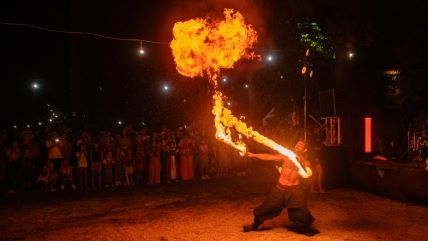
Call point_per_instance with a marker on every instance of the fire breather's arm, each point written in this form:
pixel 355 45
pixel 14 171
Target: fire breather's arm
pixel 265 157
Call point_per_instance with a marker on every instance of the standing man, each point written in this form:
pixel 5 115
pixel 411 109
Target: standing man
pixel 288 193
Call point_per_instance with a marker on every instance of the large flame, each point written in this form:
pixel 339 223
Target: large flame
pixel 203 47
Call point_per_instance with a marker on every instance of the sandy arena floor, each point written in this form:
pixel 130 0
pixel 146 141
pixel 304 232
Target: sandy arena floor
pixel 204 210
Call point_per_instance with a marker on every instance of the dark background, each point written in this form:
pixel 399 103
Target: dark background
pixel 99 81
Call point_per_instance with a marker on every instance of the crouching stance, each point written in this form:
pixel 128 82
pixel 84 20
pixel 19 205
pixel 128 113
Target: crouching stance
pixel 288 193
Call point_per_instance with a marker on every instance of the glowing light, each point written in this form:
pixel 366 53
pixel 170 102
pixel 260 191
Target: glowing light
pixel 15 126
pixel 367 134
pixel 165 87
pixel 392 72
pixel 119 122
pixel 50 120
pixel 35 86
pixel 28 126
pixel 304 70
pixel 224 79
pixel 351 55
pixel 229 103
pixel 269 58
pixel 141 50
pixel 40 123
pixel 246 86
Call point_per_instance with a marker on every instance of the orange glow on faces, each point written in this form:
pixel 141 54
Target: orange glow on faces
pixel 367 134
pixel 201 47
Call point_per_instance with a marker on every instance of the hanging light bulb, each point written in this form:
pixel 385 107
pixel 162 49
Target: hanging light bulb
pixel 141 51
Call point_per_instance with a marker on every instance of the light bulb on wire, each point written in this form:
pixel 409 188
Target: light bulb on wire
pixel 141 50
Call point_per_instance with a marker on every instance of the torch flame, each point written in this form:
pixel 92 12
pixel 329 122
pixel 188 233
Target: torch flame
pixel 202 47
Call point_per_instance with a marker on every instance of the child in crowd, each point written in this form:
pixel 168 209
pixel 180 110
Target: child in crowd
pixel 66 172
pixel 47 178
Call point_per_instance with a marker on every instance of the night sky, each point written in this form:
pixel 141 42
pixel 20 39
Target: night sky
pixel 107 80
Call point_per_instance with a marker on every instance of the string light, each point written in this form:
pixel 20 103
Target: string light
pixel 140 51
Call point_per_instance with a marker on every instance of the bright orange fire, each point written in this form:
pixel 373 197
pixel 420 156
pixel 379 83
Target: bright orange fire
pixel 203 47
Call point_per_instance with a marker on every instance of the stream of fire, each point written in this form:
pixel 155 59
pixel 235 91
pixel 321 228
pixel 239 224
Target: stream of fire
pixel 202 47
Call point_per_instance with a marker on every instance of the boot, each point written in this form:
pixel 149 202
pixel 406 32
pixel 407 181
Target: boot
pixel 252 227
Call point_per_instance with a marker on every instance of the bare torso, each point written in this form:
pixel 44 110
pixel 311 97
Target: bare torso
pixel 289 175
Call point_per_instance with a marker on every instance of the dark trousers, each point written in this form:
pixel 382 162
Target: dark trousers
pixel 293 198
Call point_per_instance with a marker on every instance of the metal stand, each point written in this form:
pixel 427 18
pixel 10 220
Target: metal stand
pixel 332 131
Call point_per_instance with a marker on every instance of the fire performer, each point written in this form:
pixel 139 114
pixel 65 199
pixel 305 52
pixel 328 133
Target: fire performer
pixel 288 193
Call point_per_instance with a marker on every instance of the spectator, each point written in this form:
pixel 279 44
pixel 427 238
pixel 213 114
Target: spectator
pixel 129 168
pixel 82 164
pixel 185 148
pixel 48 177
pixel 28 169
pixel 96 165
pixel 203 158
pixel 172 161
pixel 53 146
pixel 141 148
pixel 108 163
pixel 119 158
pixel 65 147
pixel 314 159
pixel 154 175
pixel 13 154
pixel 66 172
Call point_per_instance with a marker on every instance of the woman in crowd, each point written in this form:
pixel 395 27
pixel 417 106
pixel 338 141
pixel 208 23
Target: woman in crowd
pixel 82 164
pixel 96 158
pixel 155 162
pixel 185 148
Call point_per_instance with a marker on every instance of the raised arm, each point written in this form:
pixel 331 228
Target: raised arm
pixel 266 157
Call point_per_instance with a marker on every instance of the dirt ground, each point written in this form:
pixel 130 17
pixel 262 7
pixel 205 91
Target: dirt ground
pixel 204 210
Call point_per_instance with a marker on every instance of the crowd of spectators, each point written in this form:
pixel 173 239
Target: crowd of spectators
pixel 59 159
pixel 53 159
